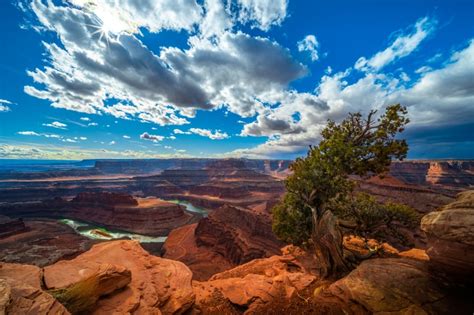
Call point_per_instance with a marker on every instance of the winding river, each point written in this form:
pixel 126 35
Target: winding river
pixel 189 206
pixel 96 232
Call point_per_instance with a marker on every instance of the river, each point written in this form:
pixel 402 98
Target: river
pixel 96 232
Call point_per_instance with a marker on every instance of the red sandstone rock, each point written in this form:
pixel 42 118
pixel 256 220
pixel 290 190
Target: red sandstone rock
pixel 237 234
pixel 158 285
pixel 150 216
pixel 10 226
pixel 104 198
pixel 203 261
pixel 385 286
pixel 82 296
pixel 252 286
pixel 451 237
pixel 26 295
pixel 45 242
pixel 229 236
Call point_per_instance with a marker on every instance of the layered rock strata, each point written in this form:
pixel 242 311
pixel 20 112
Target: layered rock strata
pixel 450 234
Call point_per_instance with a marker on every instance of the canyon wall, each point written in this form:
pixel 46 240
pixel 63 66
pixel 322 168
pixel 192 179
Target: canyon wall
pixel 116 211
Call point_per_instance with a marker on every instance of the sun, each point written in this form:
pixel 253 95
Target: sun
pixel 111 21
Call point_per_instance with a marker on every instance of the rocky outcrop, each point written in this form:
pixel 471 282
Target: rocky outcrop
pixel 82 296
pixel 443 173
pixel 238 234
pixel 203 261
pixel 158 286
pixel 149 216
pixel 23 285
pixel 229 236
pixel 44 243
pixel 9 226
pixel 423 198
pixel 450 234
pixel 385 286
pixel 104 199
pixel 253 287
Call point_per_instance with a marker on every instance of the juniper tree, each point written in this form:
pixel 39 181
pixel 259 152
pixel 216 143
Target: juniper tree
pixel 358 146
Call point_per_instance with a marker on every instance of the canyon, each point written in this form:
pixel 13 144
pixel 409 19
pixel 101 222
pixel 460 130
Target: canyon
pixel 127 279
pixel 210 221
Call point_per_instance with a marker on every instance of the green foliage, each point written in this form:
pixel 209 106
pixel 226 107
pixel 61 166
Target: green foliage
pixel 292 224
pixel 79 297
pixel 372 219
pixel 357 146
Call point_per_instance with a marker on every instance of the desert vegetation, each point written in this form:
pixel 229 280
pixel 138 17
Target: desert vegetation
pixel 321 202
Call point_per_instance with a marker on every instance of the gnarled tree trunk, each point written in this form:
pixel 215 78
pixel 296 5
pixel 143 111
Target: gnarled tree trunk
pixel 327 241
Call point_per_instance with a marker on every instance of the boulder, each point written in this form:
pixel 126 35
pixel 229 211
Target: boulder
pixel 450 234
pixel 23 284
pixel 158 286
pixel 83 295
pixel 252 287
pixel 385 286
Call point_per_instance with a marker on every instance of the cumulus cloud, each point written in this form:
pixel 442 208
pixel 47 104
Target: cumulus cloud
pixel 56 124
pixel 262 13
pixel 153 138
pixel 85 118
pixel 94 66
pixel 402 46
pixel 311 45
pixel 214 135
pixel 180 132
pixel 440 97
pixel 127 16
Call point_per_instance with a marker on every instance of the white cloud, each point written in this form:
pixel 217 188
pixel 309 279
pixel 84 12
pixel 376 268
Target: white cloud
pixel 127 16
pixel 52 136
pixel 88 70
pixel 28 133
pixel 85 119
pixel 73 153
pixel 154 138
pixel 217 19
pixel 441 97
pixel 4 108
pixel 311 45
pixel 126 137
pixel 214 135
pixel 112 142
pixel 262 13
pixel 401 47
pixel 56 124
pixel 180 132
pixel 92 124
pixel 404 77
pixel 423 69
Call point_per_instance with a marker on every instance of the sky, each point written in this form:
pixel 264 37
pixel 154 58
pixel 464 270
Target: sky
pixel 85 79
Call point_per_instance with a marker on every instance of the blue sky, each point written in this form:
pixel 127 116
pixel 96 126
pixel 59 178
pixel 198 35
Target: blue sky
pixel 219 78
